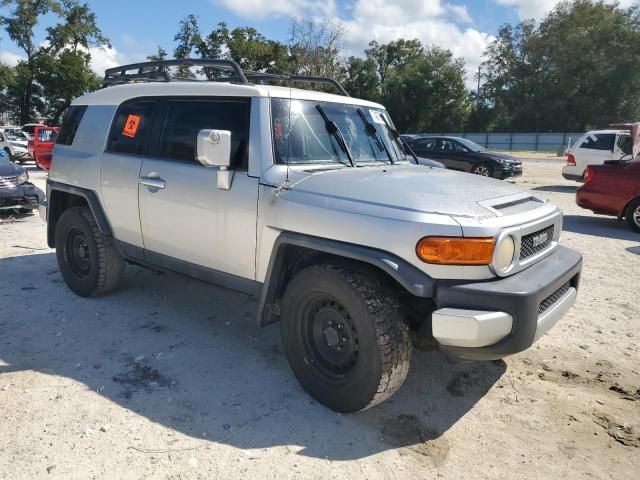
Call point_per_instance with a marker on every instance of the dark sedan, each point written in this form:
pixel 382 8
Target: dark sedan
pixel 462 154
pixel 16 193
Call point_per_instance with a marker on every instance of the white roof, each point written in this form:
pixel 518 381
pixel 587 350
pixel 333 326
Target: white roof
pixel 609 130
pixel 117 94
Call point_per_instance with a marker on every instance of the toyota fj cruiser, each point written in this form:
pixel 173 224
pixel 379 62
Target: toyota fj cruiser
pixel 307 201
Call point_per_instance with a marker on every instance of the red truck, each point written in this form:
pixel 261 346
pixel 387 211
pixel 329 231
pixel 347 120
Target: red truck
pixel 614 188
pixel 41 145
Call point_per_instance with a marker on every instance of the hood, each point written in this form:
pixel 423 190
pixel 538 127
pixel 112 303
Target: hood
pixel 502 156
pixel 411 188
pixel 8 168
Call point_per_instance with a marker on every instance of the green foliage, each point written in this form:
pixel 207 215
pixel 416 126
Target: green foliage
pixel 579 69
pixel 57 70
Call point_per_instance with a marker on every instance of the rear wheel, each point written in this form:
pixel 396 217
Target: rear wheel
pixel 88 260
pixel 633 215
pixel 344 337
pixel 482 169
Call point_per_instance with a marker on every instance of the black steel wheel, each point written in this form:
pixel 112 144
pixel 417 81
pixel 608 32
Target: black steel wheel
pixel 88 260
pixel 344 336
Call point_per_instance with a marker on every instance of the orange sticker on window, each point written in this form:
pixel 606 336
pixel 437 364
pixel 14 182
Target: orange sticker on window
pixel 131 126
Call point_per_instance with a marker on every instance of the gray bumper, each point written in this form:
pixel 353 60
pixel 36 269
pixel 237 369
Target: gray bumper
pixel 490 320
pixel 23 196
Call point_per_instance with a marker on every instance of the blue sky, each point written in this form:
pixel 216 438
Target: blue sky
pixel 137 27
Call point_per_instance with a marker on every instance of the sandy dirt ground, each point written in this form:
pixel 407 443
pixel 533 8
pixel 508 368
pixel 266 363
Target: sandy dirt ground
pixel 171 379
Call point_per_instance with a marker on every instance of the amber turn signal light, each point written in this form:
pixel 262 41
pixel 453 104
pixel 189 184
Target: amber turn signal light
pixel 455 250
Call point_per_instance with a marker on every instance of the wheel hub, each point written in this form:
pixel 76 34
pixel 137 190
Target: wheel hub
pixel 77 253
pixel 332 338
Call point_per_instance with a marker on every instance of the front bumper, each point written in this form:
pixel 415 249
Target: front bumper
pixel 507 171
pixel 26 196
pixel 511 313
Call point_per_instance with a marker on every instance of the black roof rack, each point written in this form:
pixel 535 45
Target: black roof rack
pixel 156 71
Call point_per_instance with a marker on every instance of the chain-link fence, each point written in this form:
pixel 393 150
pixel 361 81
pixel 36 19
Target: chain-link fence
pixel 534 142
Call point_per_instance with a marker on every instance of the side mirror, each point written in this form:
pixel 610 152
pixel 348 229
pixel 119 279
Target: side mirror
pixel 213 149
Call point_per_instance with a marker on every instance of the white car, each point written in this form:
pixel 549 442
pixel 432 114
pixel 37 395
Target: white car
pixel 594 148
pixel 305 200
pixel 16 150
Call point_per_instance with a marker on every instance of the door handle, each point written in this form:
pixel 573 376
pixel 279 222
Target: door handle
pixel 152 182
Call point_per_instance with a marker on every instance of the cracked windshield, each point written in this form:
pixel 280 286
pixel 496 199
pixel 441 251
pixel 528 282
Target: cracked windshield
pixel 312 132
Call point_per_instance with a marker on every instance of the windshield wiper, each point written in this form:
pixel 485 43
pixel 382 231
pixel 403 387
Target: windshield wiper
pixel 334 131
pixel 373 133
pixel 405 146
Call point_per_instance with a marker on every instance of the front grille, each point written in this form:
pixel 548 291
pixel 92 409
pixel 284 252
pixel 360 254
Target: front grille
pixel 553 298
pixel 536 242
pixel 8 183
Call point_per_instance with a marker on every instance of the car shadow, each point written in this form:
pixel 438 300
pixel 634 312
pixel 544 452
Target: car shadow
pixel 599 226
pixel 190 356
pixel 634 250
pixel 557 188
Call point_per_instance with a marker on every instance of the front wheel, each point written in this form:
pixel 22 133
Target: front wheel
pixel 88 260
pixel 344 337
pixel 633 215
pixel 482 169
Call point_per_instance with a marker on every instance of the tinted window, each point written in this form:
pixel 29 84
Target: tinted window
pixel 70 124
pixel 131 127
pixel 601 141
pixel 448 146
pixel 2 139
pixel 185 118
pixel 46 135
pixel 428 145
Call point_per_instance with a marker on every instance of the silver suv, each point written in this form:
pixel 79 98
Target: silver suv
pixel 307 201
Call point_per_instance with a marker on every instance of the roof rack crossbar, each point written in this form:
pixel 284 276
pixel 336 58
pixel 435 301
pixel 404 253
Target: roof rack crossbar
pixel 119 74
pixel 266 77
pixel 156 71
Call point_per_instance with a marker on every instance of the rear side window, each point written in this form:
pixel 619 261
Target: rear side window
pixel 425 145
pixel 185 118
pixel 70 124
pixel 47 135
pixel 131 127
pixel 600 141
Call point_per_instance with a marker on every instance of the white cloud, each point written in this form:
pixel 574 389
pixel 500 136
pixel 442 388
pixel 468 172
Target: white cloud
pixel 384 21
pixel 461 12
pixel 9 58
pixel 537 9
pixel 103 58
pixel 261 9
pixel 430 21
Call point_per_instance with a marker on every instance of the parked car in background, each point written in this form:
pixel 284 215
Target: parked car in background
pixel 594 148
pixel 15 151
pixel 16 192
pixel 29 128
pixel 458 153
pixel 41 146
pixel 613 189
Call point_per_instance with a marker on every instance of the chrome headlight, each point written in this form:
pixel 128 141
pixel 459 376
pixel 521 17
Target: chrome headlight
pixel 23 177
pixel 503 254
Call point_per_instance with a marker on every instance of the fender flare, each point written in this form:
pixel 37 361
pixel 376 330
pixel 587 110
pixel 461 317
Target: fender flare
pixel 89 196
pixel 416 282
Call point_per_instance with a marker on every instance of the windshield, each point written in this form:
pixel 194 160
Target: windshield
pixel 469 145
pixel 301 135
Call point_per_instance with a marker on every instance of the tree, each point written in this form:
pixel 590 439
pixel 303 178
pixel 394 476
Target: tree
pixel 578 69
pixel 67 41
pixel 315 48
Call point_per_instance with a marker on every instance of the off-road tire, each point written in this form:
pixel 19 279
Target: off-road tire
pixel 631 215
pixel 480 168
pixel 382 337
pixel 106 266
